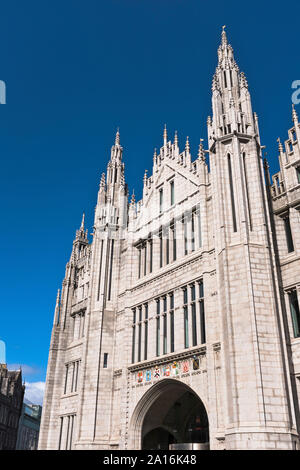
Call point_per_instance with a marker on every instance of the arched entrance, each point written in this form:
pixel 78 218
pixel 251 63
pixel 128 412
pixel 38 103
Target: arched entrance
pixel 170 415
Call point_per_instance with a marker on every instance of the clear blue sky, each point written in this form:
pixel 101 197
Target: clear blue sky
pixel 75 71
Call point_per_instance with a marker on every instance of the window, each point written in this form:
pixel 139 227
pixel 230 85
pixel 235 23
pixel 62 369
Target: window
pixel 150 255
pixel 298 174
pixel 137 327
pixel 232 194
pixel 158 327
pixel 105 360
pixel 133 336
pixel 71 377
pixel 66 378
pixel 193 308
pixel 140 335
pixel 145 259
pixel 294 307
pixel 173 238
pixel 171 315
pixel 202 314
pixel 199 227
pixel 190 309
pixel 185 234
pixel 294 137
pixel 288 233
pixel 243 122
pixel 161 200
pixel 247 190
pixel 160 235
pixel 172 193
pixel 146 333
pixel 60 432
pixel 165 325
pixel 185 318
pixel 76 376
pixel 167 247
pixel 111 269
pixel 66 432
pixel 225 79
pixel 140 261
pixel 78 325
pixel 193 228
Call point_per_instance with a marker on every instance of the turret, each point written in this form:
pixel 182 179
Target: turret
pixel 112 196
pixel 81 240
pixel 232 110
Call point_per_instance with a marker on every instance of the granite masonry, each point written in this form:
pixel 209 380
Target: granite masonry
pixel 178 326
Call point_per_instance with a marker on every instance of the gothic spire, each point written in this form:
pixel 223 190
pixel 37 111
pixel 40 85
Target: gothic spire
pixel 243 80
pixel 102 181
pixel 225 52
pixel 165 135
pixel 294 114
pixel 82 221
pixel 116 150
pixel 117 140
pixel 56 311
pixel 132 202
pixel 145 177
pixel 224 37
pixel 280 147
pixel 201 151
pixel 176 139
pixel 187 145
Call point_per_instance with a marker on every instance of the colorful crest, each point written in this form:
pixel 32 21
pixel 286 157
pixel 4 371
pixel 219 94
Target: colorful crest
pixel 140 377
pixel 166 371
pixel 148 375
pixel 156 373
pixel 185 367
pixel 175 368
pixel 196 364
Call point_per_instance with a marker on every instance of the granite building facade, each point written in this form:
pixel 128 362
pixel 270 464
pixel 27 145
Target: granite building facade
pixel 11 400
pixel 179 323
pixel 29 427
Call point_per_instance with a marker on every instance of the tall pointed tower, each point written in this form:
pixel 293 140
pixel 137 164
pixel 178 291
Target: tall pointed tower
pixel 172 326
pixel 110 220
pixel 257 383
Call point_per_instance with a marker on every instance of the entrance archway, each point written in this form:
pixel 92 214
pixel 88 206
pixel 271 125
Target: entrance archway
pixel 170 415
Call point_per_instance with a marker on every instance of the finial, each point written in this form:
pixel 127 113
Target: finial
pixel 243 80
pixel 187 144
pixel 266 164
pixel 117 140
pixel 165 135
pixel 280 145
pixel 176 139
pixel 132 202
pixel 102 181
pixel 224 37
pixel 201 151
pixel 295 115
pixel 145 176
pixel 82 222
pixel 122 179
